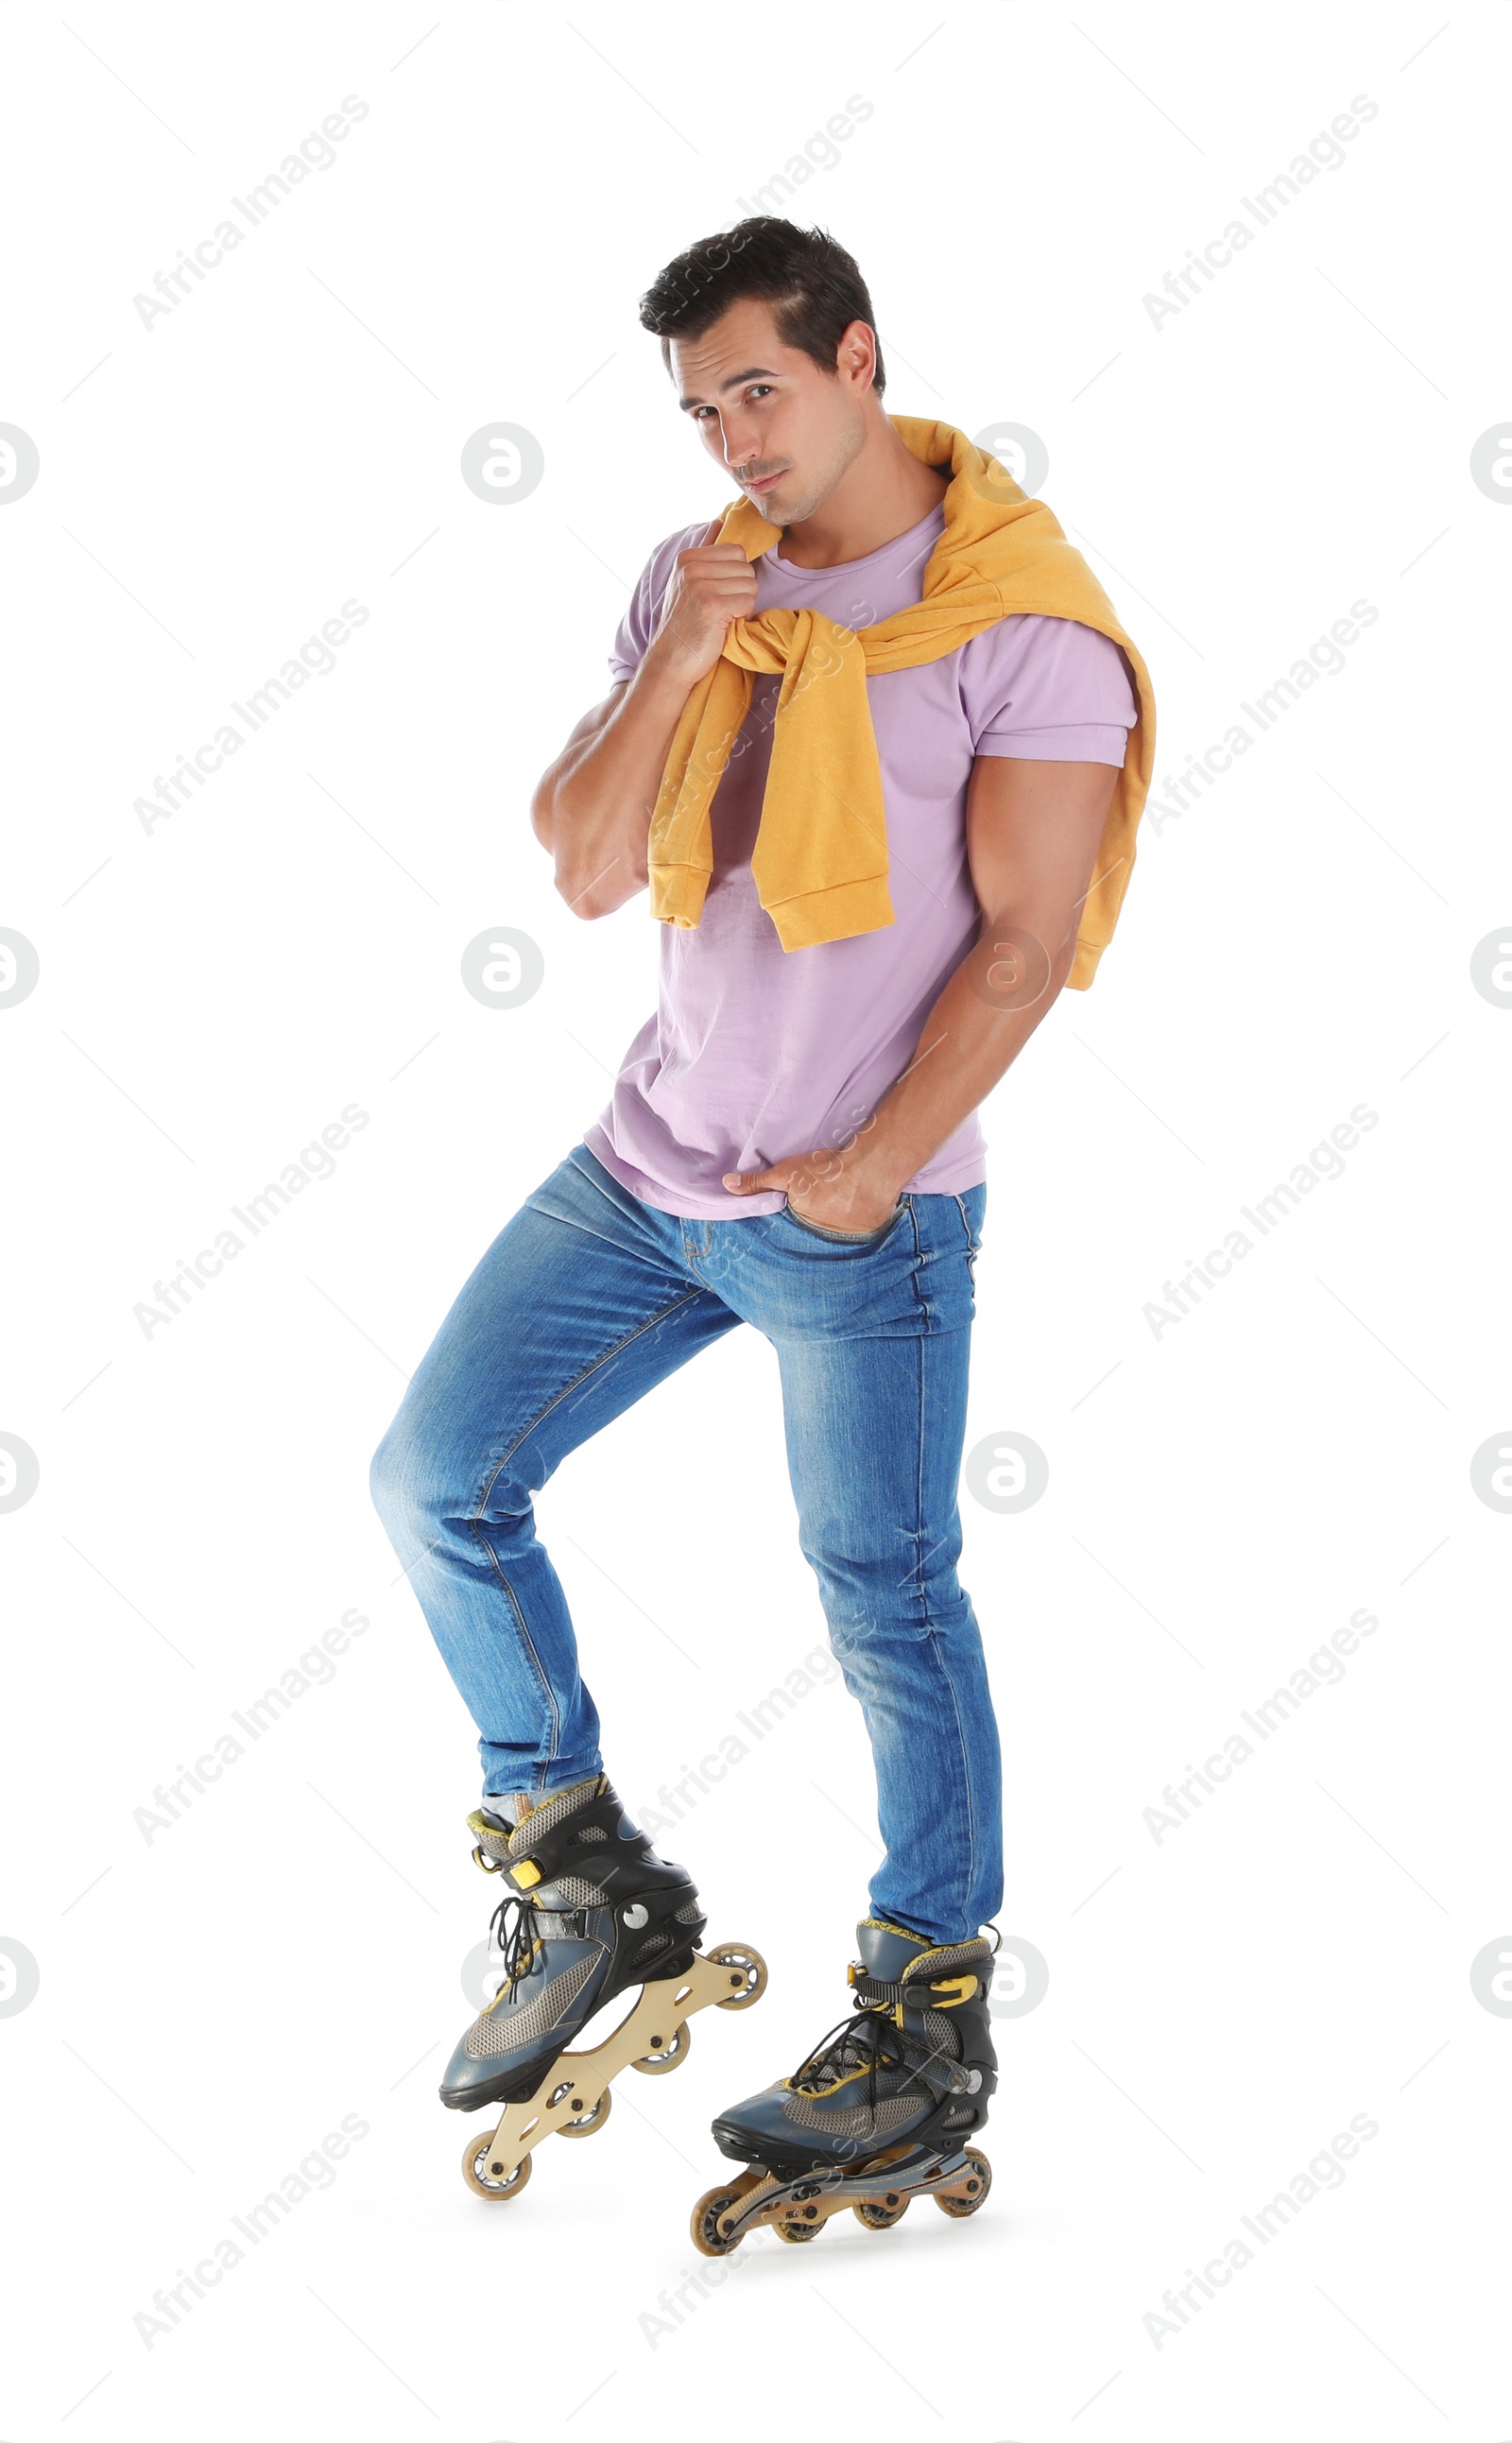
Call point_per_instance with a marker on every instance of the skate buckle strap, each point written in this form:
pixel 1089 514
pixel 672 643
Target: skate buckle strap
pixel 525 1872
pixel 920 1993
pixel 583 1840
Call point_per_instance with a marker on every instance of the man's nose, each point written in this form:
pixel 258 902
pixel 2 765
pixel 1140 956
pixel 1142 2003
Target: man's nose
pixel 740 443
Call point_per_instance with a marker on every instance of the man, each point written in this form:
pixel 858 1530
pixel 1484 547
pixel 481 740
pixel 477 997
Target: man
pixel 865 744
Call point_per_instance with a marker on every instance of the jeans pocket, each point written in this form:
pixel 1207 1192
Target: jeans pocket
pixel 844 1238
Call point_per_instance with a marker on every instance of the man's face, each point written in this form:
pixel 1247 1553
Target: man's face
pixel 785 429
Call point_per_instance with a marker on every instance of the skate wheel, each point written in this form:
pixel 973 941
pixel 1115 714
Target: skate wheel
pixel 587 2124
pixel 704 2222
pixel 970 2190
pixel 669 2055
pixel 796 2232
pixel 878 2214
pixel 481 2181
pixel 747 1973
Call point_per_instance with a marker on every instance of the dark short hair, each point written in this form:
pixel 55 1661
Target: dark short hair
pixel 805 275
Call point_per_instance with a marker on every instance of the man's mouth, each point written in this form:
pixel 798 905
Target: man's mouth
pixel 763 482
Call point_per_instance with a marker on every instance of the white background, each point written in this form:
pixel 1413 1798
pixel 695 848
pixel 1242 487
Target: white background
pixel 212 992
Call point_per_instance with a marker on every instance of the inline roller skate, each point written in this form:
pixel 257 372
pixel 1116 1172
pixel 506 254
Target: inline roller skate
pixel 593 1912
pixel 879 2112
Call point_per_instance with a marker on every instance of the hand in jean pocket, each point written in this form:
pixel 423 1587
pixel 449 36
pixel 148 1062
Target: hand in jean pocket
pixel 831 1188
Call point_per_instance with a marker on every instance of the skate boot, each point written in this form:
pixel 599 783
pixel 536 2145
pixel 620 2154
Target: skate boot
pixel 880 2111
pixel 594 1911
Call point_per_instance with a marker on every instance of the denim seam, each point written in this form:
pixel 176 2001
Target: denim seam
pixel 931 1642
pixel 920 1292
pixel 475 1523
pixel 970 1243
pixel 592 1368
pixel 933 1648
pixel 476 1531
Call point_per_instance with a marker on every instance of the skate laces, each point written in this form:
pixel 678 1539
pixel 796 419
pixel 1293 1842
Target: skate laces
pixel 516 1943
pixel 872 2041
pixel 854 2044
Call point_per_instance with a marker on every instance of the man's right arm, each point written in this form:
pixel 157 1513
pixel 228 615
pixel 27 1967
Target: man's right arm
pixel 592 808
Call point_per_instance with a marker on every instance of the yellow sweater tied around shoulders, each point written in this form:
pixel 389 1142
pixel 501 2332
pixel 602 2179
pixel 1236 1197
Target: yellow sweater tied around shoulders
pixel 820 861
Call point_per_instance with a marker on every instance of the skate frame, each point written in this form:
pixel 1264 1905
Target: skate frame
pixel 813 2197
pixel 583 2078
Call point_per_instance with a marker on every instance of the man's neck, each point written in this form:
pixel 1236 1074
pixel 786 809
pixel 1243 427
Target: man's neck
pixel 883 492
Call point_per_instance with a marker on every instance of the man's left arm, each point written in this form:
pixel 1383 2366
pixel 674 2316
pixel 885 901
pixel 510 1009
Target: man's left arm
pixel 1032 836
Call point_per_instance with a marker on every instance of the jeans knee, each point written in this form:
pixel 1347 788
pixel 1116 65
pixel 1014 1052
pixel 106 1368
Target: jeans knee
pixel 911 1582
pixel 409 1482
pixel 426 1491
pixel 389 1475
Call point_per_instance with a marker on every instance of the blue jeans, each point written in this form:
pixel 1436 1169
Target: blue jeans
pixel 583 1301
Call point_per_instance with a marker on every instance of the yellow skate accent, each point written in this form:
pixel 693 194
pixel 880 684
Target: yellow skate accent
pixel 832 2088
pixel 959 1989
pixel 484 1830
pixel 574 2093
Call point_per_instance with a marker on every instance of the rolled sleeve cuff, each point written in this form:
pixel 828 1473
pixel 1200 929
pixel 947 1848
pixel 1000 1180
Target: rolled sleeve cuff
pixel 1081 742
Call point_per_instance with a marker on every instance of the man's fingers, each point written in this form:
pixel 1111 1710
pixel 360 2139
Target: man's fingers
pixel 730 551
pixel 714 525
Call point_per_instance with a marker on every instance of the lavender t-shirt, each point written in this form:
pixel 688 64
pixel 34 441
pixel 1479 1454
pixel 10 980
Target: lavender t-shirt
pixel 757 1052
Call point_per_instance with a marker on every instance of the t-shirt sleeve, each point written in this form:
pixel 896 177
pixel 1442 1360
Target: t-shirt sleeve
pixel 1047 689
pixel 639 626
